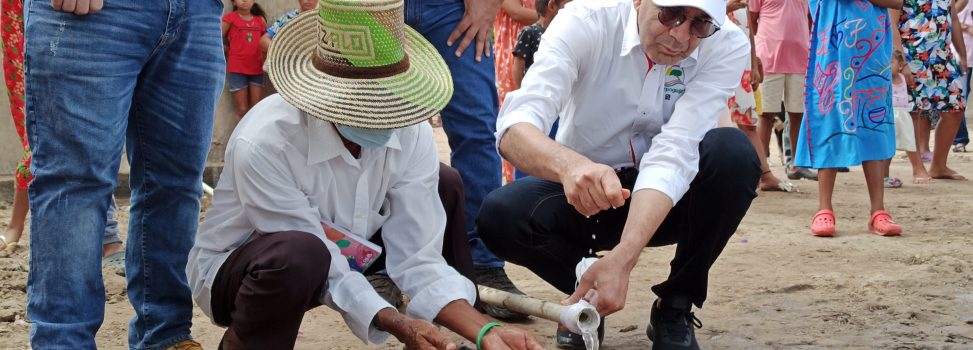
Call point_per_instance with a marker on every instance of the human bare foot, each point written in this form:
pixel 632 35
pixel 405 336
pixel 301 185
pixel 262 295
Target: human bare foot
pixel 769 182
pixel 946 174
pixel 920 176
pixel 922 180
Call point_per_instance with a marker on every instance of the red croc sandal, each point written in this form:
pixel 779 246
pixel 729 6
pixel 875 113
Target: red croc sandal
pixel 822 225
pixel 881 224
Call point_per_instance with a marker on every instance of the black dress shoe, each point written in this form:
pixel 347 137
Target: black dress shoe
pixel 671 325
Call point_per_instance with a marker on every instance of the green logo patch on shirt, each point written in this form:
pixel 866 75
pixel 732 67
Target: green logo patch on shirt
pixel 674 82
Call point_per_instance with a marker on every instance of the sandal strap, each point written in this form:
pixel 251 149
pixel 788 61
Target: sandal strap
pixel 878 213
pixel 825 212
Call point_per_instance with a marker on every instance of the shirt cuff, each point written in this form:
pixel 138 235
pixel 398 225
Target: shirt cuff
pixel 355 298
pixel 513 118
pixel 427 304
pixel 664 180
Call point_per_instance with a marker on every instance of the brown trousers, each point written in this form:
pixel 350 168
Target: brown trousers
pixel 264 288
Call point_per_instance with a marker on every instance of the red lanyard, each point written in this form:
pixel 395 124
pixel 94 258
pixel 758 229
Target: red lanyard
pixel 651 64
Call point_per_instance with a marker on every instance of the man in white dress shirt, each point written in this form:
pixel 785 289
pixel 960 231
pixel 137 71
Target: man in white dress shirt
pixel 342 143
pixel 639 88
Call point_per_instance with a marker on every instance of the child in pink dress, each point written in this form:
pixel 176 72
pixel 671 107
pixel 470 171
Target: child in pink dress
pixel 904 130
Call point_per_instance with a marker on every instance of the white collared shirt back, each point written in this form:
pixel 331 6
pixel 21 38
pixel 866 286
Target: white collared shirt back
pixel 285 171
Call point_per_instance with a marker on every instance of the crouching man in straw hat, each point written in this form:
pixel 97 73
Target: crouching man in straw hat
pixel 341 144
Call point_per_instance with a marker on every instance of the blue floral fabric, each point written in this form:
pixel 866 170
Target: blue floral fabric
pixel 848 94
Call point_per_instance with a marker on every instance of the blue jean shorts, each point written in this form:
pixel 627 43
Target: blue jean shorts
pixel 238 81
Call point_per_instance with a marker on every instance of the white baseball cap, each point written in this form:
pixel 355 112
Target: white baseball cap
pixel 714 8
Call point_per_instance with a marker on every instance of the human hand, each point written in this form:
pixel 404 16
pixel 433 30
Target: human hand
pixel 756 74
pixel 604 285
pixel 415 334
pixel 593 187
pixel 734 5
pixel 476 23
pixel 963 65
pixel 510 338
pixel 78 7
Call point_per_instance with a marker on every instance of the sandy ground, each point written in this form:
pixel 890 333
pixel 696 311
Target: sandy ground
pixel 775 287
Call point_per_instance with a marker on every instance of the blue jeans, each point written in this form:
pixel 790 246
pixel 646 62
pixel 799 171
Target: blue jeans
pixel 111 225
pixel 962 134
pixel 470 118
pixel 146 74
pixel 239 81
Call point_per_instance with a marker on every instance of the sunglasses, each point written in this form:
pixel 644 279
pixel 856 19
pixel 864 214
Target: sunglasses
pixel 673 17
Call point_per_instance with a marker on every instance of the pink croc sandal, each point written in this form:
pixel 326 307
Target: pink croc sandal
pixel 822 225
pixel 881 224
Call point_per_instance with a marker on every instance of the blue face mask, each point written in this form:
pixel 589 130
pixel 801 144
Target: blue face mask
pixel 368 138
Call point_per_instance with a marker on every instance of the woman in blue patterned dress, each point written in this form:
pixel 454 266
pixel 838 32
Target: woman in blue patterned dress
pixel 926 28
pixel 848 105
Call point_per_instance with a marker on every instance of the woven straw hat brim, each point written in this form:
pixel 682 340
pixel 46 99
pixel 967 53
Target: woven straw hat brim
pixel 384 103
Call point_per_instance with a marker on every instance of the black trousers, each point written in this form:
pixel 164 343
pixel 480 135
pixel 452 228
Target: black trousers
pixel 264 288
pixel 530 223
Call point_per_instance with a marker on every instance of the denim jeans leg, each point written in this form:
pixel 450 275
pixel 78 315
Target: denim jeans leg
pixel 788 155
pixel 470 117
pixel 963 134
pixel 111 225
pixel 77 108
pixel 169 131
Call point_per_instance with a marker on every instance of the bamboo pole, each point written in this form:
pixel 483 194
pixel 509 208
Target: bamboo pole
pixel 521 303
pixel 578 317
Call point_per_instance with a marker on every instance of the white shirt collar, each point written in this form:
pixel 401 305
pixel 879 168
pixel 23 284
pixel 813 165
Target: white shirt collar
pixel 324 143
pixel 631 40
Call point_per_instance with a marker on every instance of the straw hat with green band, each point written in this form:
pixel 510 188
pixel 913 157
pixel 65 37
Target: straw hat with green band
pixel 356 63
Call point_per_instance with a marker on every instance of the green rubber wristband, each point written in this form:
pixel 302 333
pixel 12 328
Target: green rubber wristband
pixel 483 331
